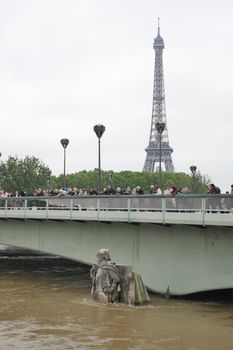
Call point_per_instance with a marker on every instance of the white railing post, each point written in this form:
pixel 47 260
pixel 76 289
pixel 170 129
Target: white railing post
pixel 98 209
pixel 203 210
pixel 47 209
pixel 129 203
pixel 6 205
pixel 71 208
pixel 25 208
pixel 163 209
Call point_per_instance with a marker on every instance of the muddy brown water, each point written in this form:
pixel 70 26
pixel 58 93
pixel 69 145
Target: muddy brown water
pixel 45 304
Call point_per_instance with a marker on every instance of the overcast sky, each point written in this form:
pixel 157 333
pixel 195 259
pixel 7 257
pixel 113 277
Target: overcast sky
pixel 66 65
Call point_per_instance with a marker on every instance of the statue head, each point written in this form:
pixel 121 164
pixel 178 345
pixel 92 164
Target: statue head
pixel 103 255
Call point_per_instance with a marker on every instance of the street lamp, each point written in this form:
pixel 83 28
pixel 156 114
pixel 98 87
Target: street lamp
pixel 64 143
pixel 99 130
pixel 160 126
pixel 110 178
pixel 193 169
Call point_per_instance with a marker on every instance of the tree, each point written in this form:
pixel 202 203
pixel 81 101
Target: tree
pixel 23 174
pixel 123 179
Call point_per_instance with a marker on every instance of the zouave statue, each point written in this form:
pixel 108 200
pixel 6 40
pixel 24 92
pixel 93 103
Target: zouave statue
pixel 105 279
pixel 116 284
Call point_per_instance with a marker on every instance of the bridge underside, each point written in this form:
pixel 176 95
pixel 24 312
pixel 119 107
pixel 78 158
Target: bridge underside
pixel 174 259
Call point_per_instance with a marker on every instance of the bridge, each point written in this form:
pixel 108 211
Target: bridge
pixel 179 245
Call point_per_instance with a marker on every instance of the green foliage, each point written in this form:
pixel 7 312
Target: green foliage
pixel 82 179
pixel 23 174
pixel 27 174
pixel 89 179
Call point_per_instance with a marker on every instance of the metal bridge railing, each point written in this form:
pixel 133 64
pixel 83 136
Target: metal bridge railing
pixel 146 208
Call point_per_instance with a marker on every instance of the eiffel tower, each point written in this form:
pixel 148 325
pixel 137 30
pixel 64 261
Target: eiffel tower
pixel 158 116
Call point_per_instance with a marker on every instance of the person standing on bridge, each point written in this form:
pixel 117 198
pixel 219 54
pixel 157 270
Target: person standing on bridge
pixel 212 189
pixel 158 191
pixel 213 203
pixel 231 191
pixel 139 190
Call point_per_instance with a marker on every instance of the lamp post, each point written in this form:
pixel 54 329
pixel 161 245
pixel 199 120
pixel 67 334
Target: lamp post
pixel 99 130
pixel 160 126
pixel 110 178
pixel 193 169
pixel 49 187
pixel 64 143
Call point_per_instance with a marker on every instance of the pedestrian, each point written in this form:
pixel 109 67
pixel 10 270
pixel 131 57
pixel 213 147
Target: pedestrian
pixel 212 189
pixel 139 190
pixel 152 189
pixel 157 190
pixel 231 191
pixel 214 203
pixel 173 190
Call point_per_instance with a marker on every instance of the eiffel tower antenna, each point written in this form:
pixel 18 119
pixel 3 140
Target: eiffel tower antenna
pixel 158 25
pixel 158 115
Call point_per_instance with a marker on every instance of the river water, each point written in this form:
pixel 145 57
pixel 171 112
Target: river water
pixel 45 304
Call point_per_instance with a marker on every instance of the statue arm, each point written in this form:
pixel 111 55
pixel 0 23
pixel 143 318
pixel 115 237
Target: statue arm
pixel 115 280
pixel 93 271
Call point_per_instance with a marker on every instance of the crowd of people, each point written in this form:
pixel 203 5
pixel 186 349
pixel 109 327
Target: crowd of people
pixel 109 190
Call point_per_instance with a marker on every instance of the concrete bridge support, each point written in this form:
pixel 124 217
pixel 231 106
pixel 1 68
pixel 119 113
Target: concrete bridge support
pixel 174 259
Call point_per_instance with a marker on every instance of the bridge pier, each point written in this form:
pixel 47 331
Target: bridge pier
pixel 180 258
